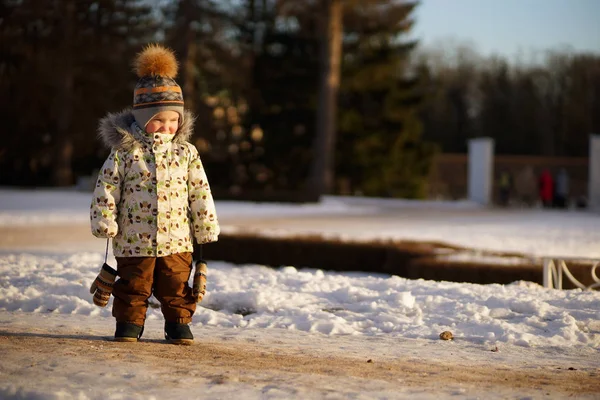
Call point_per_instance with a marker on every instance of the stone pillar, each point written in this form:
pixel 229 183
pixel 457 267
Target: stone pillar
pixel 481 170
pixel 594 173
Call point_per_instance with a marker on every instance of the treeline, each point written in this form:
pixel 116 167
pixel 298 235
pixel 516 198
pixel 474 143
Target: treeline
pixel 291 96
pixel 547 105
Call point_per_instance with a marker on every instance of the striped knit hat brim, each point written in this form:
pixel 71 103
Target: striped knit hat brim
pixel 153 95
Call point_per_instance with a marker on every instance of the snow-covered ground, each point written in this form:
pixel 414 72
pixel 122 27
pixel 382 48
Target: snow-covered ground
pixel 269 302
pixel 531 232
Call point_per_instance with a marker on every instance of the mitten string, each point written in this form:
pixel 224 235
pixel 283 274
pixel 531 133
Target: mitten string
pixel 106 254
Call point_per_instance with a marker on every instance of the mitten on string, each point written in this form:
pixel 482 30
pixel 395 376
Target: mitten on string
pixel 102 286
pixel 199 286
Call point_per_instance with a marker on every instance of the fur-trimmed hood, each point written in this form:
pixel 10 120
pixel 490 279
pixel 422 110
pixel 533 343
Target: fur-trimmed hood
pixel 115 130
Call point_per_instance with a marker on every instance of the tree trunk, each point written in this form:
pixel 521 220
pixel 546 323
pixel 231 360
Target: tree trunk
pixel 191 11
pixel 63 149
pixel 189 69
pixel 321 179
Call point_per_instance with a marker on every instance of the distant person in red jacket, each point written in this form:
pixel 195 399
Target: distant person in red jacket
pixel 546 188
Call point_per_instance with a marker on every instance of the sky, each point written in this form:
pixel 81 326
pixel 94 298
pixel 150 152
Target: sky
pixel 524 320
pixel 507 27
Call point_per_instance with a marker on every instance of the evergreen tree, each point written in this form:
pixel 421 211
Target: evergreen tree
pixel 495 116
pixel 278 57
pixel 64 64
pixel 197 31
pixel 381 152
pixel 285 81
pixel 451 102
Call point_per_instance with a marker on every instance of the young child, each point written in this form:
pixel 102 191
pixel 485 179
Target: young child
pixel 152 198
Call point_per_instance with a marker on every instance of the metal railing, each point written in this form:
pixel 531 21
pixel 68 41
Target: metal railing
pixel 556 268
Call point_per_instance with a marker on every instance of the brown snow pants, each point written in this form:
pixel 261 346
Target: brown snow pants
pixel 165 277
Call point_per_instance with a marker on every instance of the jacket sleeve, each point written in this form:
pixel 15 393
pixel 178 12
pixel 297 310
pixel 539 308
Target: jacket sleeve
pixel 107 194
pixel 202 206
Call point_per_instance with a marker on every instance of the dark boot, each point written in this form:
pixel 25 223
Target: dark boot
pixel 178 334
pixel 128 332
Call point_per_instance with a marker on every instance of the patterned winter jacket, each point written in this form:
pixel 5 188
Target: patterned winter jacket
pixel 152 195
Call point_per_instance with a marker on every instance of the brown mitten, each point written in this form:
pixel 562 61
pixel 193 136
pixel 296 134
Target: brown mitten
pixel 199 286
pixel 103 285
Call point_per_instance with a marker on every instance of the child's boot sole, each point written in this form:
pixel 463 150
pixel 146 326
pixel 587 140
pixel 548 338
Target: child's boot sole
pixel 181 342
pixel 126 339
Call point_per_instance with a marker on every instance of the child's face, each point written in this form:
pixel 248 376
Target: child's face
pixel 164 122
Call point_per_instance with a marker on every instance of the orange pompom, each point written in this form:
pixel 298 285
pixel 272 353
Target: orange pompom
pixel 156 60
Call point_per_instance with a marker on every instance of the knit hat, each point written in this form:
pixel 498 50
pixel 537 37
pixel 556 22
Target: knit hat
pixel 156 90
